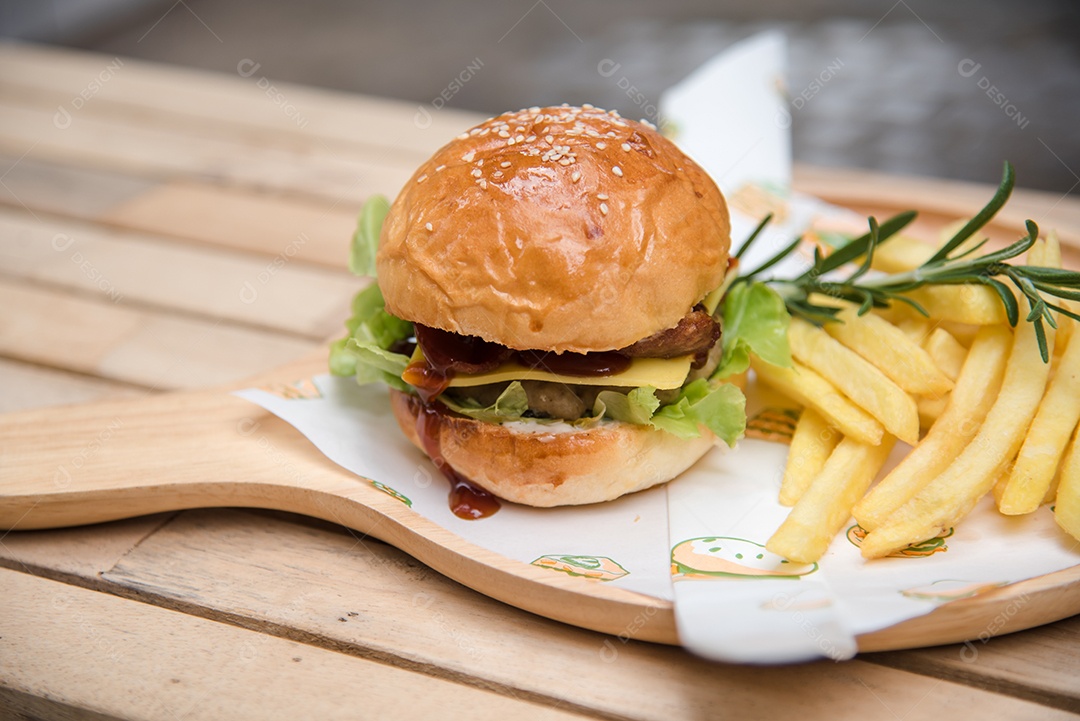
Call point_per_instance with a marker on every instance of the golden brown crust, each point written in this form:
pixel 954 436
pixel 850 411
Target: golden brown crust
pixel 565 229
pixel 544 468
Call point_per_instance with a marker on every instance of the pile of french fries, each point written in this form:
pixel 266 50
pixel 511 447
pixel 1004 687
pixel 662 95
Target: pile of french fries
pixel 971 395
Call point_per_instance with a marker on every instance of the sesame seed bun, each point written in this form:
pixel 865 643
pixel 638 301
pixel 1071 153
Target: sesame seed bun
pixel 562 229
pixel 556 465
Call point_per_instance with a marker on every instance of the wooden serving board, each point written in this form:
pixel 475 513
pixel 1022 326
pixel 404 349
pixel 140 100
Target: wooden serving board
pixel 106 461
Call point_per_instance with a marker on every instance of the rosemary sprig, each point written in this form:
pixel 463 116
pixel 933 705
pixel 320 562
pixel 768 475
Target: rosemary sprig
pixel 945 267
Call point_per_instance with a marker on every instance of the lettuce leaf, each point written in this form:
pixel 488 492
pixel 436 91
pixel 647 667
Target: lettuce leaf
pixel 719 406
pixel 637 406
pixel 365 241
pixel 365 353
pixel 509 406
pixel 755 321
pixel 377 365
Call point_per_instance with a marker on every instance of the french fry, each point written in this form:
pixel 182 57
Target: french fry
pixel 947 353
pixel 916 327
pixel 805 534
pixel 951 495
pixel 1067 505
pixel 860 381
pixel 1033 472
pixel 890 350
pixel 930 409
pixel 903 253
pixel 964 333
pixel 813 441
pixel 807 387
pixel 974 304
pixel 971 399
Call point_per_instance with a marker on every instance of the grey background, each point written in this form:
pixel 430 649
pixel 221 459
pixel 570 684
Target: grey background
pixel 898 102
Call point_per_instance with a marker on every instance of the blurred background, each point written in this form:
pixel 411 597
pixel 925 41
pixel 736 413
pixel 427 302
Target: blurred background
pixel 905 86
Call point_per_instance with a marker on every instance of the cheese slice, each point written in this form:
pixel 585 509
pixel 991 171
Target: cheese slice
pixel 661 373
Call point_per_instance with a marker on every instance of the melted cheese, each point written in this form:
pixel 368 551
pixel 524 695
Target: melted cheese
pixel 661 373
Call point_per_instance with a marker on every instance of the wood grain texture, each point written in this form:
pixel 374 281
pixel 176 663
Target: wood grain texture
pixel 327 588
pixel 148 348
pixel 173 96
pixel 26 386
pixel 281 293
pixel 1039 664
pixel 163 664
pixel 124 144
pixel 263 223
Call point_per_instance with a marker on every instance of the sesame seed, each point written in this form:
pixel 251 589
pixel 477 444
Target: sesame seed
pixel 549 139
pixel 438 168
pixel 617 170
pixel 504 134
pixel 421 179
pixel 601 145
pixel 534 109
pixel 504 164
pixel 482 183
pixel 477 172
pixel 626 147
pixel 463 136
pixel 603 208
pixel 566 161
pixel 530 138
pixel 428 226
pixel 468 157
pixel 575 177
pixel 511 141
pixel 601 196
pixel 497 174
pixel 520 138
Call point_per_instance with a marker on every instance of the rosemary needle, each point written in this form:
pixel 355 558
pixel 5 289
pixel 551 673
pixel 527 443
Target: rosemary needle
pixel 946 267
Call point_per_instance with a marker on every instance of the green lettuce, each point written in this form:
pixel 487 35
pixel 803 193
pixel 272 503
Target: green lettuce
pixel 509 406
pixel 637 406
pixel 365 353
pixel 719 406
pixel 755 321
pixel 365 241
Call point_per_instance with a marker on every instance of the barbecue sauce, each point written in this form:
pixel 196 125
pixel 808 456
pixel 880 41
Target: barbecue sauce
pixel 605 363
pixel 466 499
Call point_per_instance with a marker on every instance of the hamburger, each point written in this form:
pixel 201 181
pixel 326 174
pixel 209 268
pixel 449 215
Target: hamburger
pixel 546 309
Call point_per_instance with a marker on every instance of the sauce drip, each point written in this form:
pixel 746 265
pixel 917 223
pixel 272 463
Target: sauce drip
pixel 604 363
pixel 428 381
pixel 466 499
pixel 447 351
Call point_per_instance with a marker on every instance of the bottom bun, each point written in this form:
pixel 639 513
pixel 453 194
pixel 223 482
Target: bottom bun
pixel 556 464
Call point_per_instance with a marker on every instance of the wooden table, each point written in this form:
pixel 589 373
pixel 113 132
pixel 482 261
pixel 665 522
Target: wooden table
pixel 166 229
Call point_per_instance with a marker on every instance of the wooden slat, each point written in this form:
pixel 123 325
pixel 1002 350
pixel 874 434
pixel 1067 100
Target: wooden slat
pixel 79 554
pixel 30 386
pixel 124 659
pixel 126 144
pixel 172 96
pixel 224 216
pixel 241 219
pixel 268 573
pixel 65 190
pixel 281 293
pixel 1039 664
pixel 139 347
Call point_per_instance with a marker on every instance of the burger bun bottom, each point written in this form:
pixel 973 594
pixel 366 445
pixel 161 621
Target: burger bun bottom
pixel 555 465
